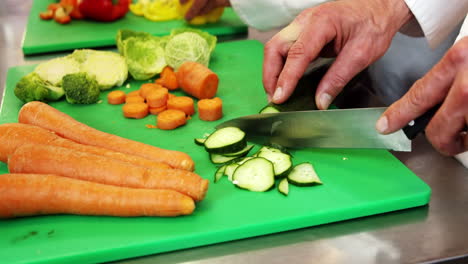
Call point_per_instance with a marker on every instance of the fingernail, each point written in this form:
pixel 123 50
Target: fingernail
pixel 278 94
pixel 382 125
pixel 325 100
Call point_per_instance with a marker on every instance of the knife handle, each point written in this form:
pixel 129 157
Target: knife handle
pixel 419 124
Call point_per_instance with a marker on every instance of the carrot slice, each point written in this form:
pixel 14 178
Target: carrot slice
pixel 157 97
pixel 116 97
pixel 134 93
pixel 197 80
pixel 135 110
pixel 171 119
pixel 146 88
pixel 182 103
pixel 134 99
pixel 210 109
pixel 61 195
pixel 157 110
pixel 168 79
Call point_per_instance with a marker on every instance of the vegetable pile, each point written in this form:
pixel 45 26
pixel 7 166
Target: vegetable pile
pixel 52 152
pixel 79 77
pixel 228 148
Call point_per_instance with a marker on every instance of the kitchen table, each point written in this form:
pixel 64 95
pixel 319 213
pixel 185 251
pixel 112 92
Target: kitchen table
pixel 430 234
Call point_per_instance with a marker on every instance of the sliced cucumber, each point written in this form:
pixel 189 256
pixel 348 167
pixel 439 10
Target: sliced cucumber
pixel 304 175
pixel 219 173
pixel 200 141
pixel 255 174
pixel 283 187
pixel 233 166
pixel 240 153
pixel 226 140
pixel 281 161
pixel 221 159
pixel 269 109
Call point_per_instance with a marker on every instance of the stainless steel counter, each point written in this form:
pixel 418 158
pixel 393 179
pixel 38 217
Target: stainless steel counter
pixel 437 232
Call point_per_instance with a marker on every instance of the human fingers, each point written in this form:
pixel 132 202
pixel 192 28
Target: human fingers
pixel 182 2
pixel 195 9
pixel 426 92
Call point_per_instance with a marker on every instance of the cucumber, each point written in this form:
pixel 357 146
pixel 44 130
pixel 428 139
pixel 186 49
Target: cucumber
pixel 283 187
pixel 240 153
pixel 221 159
pixel 269 109
pixel 303 174
pixel 233 166
pixel 226 140
pixel 200 141
pixel 282 162
pixel 219 173
pixel 255 175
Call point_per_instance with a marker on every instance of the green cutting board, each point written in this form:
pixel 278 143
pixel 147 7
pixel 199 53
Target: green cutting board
pixel 48 36
pixel 356 182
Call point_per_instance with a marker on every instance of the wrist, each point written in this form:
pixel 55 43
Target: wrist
pixel 400 12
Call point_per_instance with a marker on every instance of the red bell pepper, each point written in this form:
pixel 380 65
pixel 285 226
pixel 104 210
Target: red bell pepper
pixel 104 10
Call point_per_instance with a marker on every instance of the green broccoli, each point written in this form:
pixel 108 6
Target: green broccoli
pixel 32 88
pixel 80 88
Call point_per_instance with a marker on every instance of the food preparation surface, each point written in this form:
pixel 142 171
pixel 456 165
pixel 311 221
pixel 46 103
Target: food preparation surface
pixel 356 182
pixel 48 36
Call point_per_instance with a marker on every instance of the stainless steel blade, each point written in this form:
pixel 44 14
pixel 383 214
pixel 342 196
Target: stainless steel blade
pixel 339 128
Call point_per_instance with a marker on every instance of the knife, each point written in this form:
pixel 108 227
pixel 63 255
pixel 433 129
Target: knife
pixel 338 128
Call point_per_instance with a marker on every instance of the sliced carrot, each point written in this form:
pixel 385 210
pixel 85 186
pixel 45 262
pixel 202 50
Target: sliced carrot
pixel 116 97
pixel 46 15
pixel 157 110
pixel 43 159
pixel 168 79
pixel 45 116
pixel 39 194
pixel 210 109
pixel 134 93
pixel 14 135
pixel 146 88
pixel 135 110
pixel 53 6
pixel 170 119
pixel 197 80
pixel 157 97
pixel 182 103
pixel 61 16
pixel 134 99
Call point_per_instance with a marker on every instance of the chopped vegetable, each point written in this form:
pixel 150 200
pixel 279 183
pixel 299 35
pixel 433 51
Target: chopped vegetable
pixel 168 79
pixel 104 10
pixel 157 110
pixel 116 97
pixel 135 110
pixel 304 175
pixel 282 162
pixel 144 57
pixel 269 109
pixel 147 88
pixel 134 99
pixel 171 119
pixel 32 88
pixel 210 109
pixel 80 88
pixel 53 70
pixel 226 140
pixel 157 97
pixel 255 175
pixel 197 80
pixel 182 103
pixel 283 187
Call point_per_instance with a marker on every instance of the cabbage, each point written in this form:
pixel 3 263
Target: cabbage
pixel 125 34
pixel 144 57
pixel 187 46
pixel 53 70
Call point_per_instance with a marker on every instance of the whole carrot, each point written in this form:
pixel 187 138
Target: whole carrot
pixel 44 159
pixel 14 135
pixel 45 116
pixel 42 194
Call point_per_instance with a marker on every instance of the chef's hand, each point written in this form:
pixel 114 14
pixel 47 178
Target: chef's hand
pixel 201 7
pixel 357 31
pixel 446 83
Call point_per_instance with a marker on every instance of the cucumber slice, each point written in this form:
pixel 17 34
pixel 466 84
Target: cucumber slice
pixel 200 141
pixel 233 166
pixel 240 153
pixel 283 187
pixel 219 173
pixel 269 109
pixel 255 175
pixel 220 159
pixel 304 175
pixel 226 140
pixel 282 162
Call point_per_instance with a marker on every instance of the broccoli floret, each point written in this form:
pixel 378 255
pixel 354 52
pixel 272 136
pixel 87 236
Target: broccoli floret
pixel 80 88
pixel 32 88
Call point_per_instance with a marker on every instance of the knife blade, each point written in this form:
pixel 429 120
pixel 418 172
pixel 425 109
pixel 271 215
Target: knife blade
pixel 337 128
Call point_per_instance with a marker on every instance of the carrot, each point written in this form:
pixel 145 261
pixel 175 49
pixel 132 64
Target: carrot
pixel 157 97
pixel 168 79
pixel 134 93
pixel 135 110
pixel 45 116
pixel 61 16
pixel 146 88
pixel 46 15
pixel 171 119
pixel 43 159
pixel 37 194
pixel 182 103
pixel 157 110
pixel 14 135
pixel 54 6
pixel 116 97
pixel 170 96
pixel 134 99
pixel 197 80
pixel 210 109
